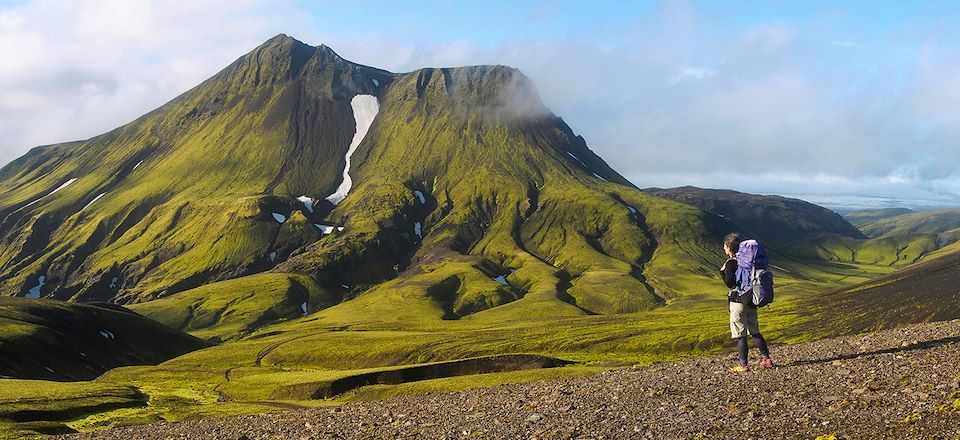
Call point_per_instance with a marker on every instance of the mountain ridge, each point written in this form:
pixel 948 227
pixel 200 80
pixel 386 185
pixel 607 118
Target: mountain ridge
pixel 229 179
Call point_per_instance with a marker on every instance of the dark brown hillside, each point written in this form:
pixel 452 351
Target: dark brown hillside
pixel 771 218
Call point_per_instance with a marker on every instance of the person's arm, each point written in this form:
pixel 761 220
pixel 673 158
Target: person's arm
pixel 729 273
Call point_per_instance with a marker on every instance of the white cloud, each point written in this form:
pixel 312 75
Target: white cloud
pixel 71 70
pixel 693 73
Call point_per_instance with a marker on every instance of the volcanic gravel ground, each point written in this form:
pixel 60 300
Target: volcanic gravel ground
pixel 902 383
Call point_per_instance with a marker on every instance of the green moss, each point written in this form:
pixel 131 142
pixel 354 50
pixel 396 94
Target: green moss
pixel 233 308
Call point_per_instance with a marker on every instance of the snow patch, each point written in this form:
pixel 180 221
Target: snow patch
pixel 601 178
pixel 34 291
pixel 582 163
pixel 421 197
pixel 632 209
pixel 339 228
pixel 280 218
pixel 137 165
pixel 66 184
pixel 375 83
pixel 107 334
pixel 307 202
pixel 50 370
pixel 417 230
pixel 304 308
pixel 273 256
pixel 113 282
pixel 345 286
pixel 365 108
pixel 502 279
pixel 94 200
pixel 326 229
pixel 62 186
pixel 83 354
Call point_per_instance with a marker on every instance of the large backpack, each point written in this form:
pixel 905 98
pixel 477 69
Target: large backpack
pixel 754 280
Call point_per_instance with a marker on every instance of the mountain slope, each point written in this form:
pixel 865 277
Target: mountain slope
pixel 928 291
pixel 771 218
pixel 941 221
pixel 188 190
pixel 463 194
pixel 55 340
pixel 862 216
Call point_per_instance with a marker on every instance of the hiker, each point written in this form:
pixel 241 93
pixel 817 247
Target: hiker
pixel 743 317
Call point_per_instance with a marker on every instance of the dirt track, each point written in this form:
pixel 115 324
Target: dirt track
pixel 893 384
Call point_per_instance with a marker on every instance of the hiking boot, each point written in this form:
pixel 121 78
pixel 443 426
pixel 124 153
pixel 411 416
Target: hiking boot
pixel 740 369
pixel 766 363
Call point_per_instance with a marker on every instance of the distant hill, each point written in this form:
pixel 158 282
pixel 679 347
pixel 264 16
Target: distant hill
pixel 771 218
pixel 56 340
pixel 862 216
pixel 876 224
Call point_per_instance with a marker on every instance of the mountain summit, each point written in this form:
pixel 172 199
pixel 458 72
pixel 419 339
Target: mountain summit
pixel 450 190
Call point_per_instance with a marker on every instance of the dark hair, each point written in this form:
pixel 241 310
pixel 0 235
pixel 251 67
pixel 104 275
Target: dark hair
pixel 732 240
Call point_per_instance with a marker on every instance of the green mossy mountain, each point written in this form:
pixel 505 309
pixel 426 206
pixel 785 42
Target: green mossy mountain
pixel 517 215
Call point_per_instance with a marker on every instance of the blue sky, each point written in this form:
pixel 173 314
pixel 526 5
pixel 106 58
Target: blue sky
pixel 814 97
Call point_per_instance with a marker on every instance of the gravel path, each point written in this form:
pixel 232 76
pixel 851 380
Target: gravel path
pixel 902 383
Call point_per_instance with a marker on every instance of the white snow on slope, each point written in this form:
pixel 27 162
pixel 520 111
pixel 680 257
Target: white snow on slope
pixel 66 184
pixel 365 108
pixel 339 228
pixel 326 229
pixel 375 82
pixel 632 209
pixel 502 279
pixel 345 286
pixel 273 256
pixel 137 165
pixel 601 178
pixel 420 196
pixel 35 290
pixel 416 229
pixel 304 308
pixel 107 334
pixel 94 200
pixel 280 218
pixel 113 282
pixel 307 202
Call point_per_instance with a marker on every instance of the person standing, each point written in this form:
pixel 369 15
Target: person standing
pixel 743 317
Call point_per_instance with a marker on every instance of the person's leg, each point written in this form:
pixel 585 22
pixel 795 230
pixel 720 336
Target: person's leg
pixel 761 345
pixel 754 328
pixel 738 331
pixel 742 350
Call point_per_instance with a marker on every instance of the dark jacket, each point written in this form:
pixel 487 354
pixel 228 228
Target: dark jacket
pixel 729 273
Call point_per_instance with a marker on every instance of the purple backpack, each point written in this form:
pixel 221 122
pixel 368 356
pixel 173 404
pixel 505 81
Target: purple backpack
pixel 755 282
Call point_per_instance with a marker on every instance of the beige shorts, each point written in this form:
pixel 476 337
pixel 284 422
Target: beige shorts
pixel 743 320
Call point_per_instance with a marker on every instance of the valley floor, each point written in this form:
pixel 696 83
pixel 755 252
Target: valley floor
pixel 900 383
